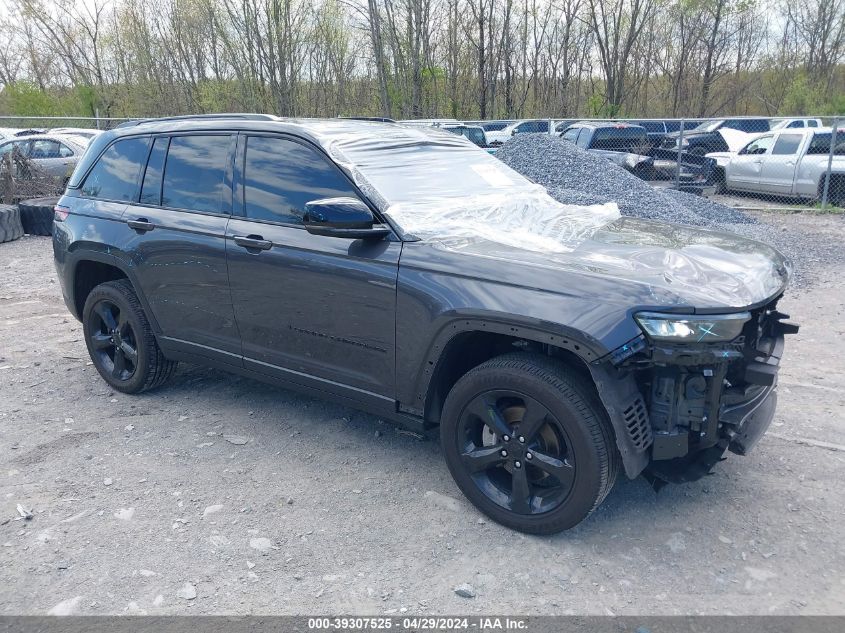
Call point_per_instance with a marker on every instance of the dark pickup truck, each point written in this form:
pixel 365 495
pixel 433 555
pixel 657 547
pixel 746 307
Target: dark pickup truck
pixel 406 272
pixel 630 147
pixel 623 144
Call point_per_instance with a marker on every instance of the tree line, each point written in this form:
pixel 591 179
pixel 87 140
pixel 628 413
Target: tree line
pixel 463 59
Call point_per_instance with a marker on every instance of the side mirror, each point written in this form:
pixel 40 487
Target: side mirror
pixel 341 217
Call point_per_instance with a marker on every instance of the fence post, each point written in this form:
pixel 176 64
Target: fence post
pixel 680 151
pixel 826 190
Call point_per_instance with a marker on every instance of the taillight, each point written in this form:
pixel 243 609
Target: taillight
pixel 60 213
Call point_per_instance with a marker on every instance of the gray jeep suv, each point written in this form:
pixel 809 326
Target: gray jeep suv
pixel 406 272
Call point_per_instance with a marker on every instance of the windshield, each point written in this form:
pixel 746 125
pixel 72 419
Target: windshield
pixel 436 185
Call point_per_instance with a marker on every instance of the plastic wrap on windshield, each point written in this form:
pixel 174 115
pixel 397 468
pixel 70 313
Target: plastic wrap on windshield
pixel 439 186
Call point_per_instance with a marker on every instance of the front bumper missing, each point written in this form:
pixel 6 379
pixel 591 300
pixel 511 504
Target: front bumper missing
pixel 700 401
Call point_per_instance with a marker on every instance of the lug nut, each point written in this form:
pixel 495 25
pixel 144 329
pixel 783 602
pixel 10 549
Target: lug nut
pixel 504 453
pixel 522 439
pixel 517 464
pixel 507 438
pixel 529 456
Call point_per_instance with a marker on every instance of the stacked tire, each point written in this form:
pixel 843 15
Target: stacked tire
pixel 37 215
pixel 10 223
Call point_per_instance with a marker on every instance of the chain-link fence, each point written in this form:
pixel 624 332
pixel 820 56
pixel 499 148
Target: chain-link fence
pixel 783 163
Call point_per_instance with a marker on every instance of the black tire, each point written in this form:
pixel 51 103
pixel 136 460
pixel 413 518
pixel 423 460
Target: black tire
pixel 574 437
pixel 37 215
pixel 719 180
pixel 835 190
pixel 114 323
pixel 10 223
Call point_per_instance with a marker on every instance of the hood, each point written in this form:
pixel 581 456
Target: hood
pixel 736 139
pixel 652 263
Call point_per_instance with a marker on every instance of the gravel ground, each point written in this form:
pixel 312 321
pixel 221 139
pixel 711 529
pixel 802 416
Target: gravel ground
pixel 217 494
pixel 574 176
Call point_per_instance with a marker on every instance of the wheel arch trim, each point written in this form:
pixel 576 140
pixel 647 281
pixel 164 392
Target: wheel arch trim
pixel 585 347
pixel 80 255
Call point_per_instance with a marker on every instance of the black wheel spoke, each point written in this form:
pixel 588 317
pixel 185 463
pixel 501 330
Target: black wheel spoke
pixel 485 409
pixel 560 469
pixel 520 500
pixel 103 310
pixel 101 341
pixel 119 364
pixel 483 458
pixel 532 420
pixel 121 323
pixel 129 352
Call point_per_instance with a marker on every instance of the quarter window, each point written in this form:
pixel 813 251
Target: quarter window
pixel 280 176
pixel 195 173
pixel 787 144
pixel 115 176
pixel 151 189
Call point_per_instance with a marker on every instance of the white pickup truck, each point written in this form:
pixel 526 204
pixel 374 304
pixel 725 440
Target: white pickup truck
pixel 787 162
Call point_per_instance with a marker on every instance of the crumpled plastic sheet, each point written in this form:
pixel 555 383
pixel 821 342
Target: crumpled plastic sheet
pixel 440 186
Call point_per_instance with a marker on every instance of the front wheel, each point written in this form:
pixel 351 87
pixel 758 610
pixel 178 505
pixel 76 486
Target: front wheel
pixel 120 340
pixel 528 443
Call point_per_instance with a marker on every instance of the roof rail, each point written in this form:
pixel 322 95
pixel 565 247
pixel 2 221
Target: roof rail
pixel 190 117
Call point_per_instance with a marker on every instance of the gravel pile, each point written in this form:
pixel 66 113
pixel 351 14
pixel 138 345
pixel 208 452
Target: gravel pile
pixel 574 176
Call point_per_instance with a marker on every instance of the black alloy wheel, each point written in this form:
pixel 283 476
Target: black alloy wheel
pixel 529 443
pixel 113 341
pixel 120 339
pixel 516 451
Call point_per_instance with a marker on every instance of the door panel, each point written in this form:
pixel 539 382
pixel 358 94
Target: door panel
pixel 320 307
pixel 181 266
pixel 743 172
pixel 778 170
pixel 181 252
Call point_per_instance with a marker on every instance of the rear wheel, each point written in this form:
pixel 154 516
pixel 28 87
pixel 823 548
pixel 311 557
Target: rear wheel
pixel 528 443
pixel 120 340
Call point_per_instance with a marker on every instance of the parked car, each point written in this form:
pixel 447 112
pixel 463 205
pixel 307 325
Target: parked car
pixel 54 154
pixel 491 126
pixel 706 137
pixel 780 124
pixel 623 144
pixel 790 162
pixel 658 129
pixel 403 272
pixel 524 126
pixel 473 133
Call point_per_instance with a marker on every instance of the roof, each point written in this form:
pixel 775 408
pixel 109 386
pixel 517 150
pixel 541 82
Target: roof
pixel 73 139
pixel 328 134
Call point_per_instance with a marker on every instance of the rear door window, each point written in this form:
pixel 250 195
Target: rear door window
pixel 195 173
pixel 115 175
pixel 281 175
pixel 44 148
pixel 787 144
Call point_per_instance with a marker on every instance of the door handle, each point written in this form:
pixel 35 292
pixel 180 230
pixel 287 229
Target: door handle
pixel 253 242
pixel 142 225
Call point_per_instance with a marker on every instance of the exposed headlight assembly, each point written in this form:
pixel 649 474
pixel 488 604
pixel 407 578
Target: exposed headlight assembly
pixel 683 328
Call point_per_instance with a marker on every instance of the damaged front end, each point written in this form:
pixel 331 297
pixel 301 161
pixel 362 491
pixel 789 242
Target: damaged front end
pixel 692 388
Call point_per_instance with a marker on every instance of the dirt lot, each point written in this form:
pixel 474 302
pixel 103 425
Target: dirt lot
pixel 145 504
